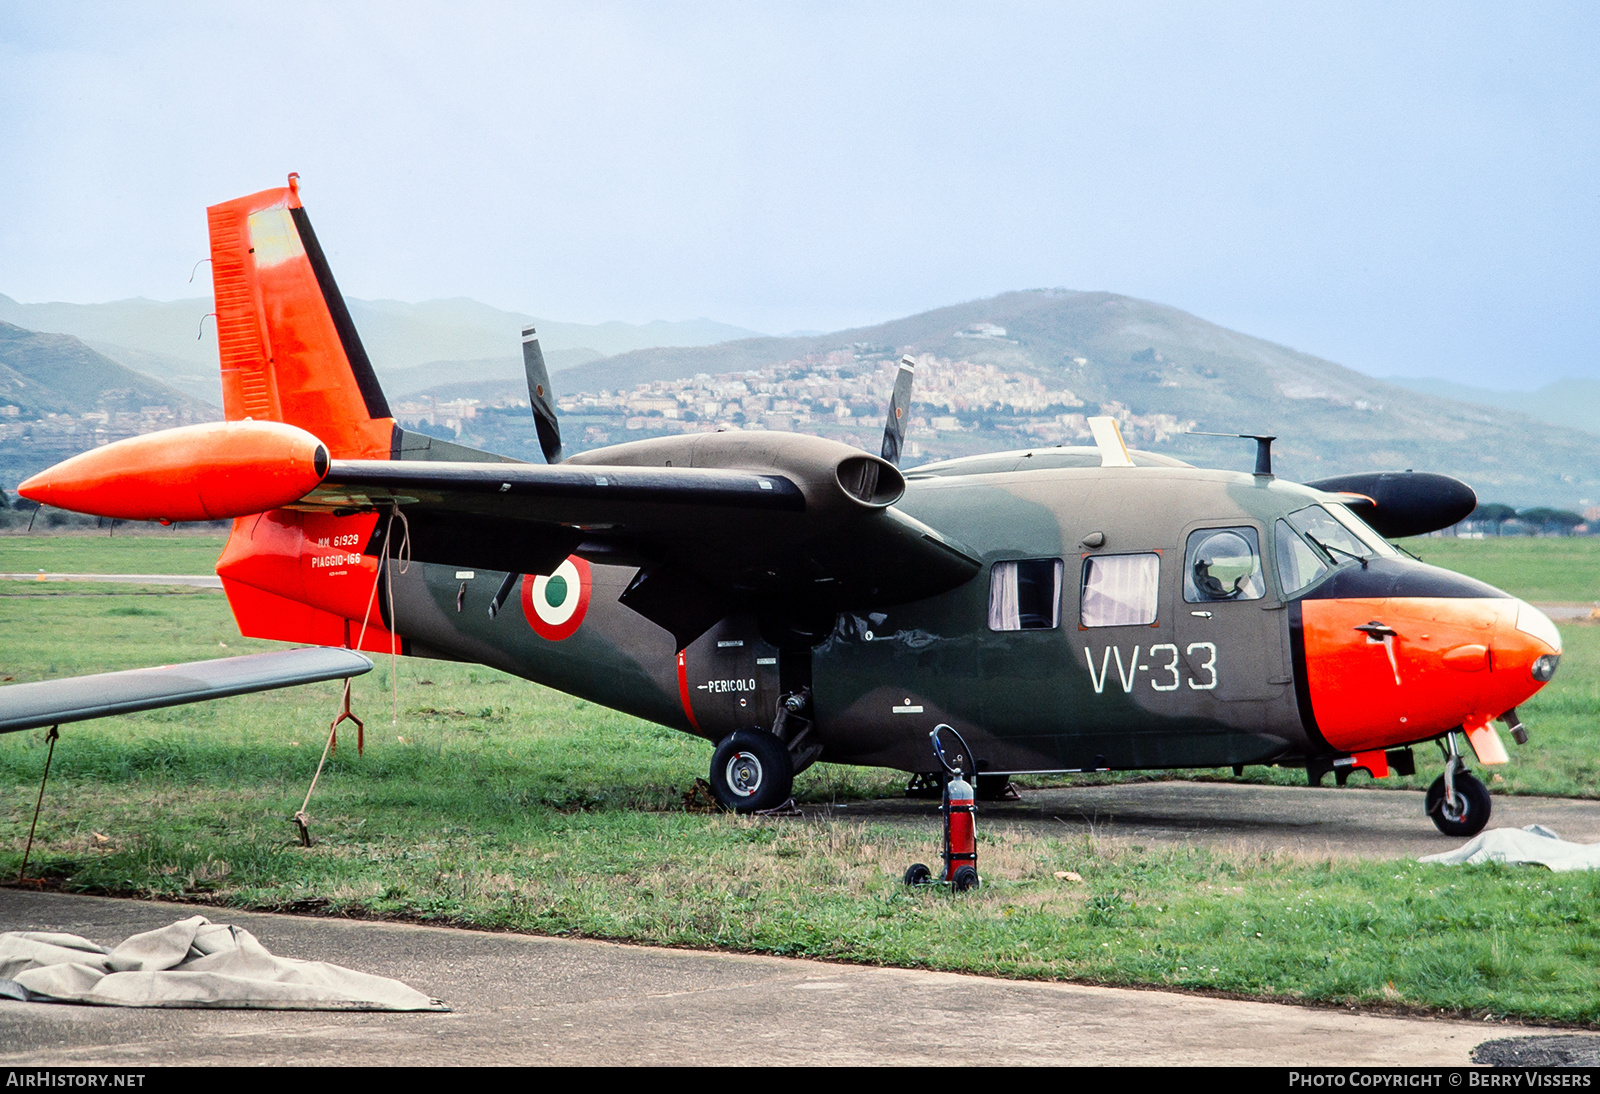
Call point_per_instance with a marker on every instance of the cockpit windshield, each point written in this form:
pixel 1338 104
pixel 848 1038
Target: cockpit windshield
pixel 1339 533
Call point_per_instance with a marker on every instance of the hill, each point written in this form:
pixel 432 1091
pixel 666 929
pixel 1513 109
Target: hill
pixel 173 341
pixel 1016 370
pixel 59 397
pixel 1572 402
pixel 1128 356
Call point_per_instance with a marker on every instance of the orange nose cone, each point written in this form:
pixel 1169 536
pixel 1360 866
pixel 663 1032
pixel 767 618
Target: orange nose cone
pixel 1435 664
pixel 1527 650
pixel 196 472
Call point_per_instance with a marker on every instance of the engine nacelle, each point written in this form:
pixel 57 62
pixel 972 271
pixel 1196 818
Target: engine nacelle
pixel 1403 503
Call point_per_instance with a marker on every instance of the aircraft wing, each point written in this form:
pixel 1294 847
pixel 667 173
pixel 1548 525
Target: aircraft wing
pixel 715 522
pixel 78 698
pixel 809 522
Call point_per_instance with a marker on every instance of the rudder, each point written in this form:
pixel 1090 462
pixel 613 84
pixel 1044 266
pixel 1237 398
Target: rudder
pixel 289 350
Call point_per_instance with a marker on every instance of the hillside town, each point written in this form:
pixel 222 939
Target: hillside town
pixel 958 406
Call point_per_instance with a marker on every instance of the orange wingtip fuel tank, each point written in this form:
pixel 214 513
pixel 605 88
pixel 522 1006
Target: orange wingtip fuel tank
pixel 195 472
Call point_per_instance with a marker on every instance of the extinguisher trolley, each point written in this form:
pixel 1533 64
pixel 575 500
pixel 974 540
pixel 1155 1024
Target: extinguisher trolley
pixel 959 807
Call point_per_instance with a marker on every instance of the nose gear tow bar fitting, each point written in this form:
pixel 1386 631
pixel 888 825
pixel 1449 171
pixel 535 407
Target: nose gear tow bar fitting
pixel 958 807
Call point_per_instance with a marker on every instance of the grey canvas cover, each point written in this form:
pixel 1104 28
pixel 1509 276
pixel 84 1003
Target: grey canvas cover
pixel 191 963
pixel 1534 845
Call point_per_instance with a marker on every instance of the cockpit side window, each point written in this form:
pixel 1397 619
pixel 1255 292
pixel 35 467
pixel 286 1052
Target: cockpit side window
pixel 1223 564
pixel 1298 564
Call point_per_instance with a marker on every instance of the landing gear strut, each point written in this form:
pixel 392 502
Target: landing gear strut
pixel 1457 802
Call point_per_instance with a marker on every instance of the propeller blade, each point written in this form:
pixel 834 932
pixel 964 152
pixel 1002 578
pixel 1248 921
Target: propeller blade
pixel 894 430
pixel 540 396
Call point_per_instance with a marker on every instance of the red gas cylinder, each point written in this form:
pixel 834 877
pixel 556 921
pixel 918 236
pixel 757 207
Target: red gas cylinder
pixel 961 837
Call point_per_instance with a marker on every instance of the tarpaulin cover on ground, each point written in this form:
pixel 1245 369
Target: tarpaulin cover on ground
pixel 191 963
pixel 1534 845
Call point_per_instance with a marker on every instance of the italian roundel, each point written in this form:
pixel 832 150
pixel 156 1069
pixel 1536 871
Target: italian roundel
pixel 555 605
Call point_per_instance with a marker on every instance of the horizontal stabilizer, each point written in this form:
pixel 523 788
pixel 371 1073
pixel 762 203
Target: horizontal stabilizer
pixel 79 698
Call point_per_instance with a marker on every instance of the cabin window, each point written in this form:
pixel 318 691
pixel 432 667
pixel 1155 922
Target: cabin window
pixel 1025 595
pixel 1298 564
pixel 1120 590
pixel 1223 564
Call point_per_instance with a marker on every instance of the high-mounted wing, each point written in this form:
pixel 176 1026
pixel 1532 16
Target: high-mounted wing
pixel 78 698
pixel 715 522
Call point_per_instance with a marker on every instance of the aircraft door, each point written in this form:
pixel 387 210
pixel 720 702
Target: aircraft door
pixel 1231 634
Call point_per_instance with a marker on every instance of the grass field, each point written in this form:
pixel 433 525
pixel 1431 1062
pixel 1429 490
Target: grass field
pixel 1560 569
pixel 496 803
pixel 128 552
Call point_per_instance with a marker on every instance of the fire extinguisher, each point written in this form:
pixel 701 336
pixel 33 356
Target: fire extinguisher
pixel 959 807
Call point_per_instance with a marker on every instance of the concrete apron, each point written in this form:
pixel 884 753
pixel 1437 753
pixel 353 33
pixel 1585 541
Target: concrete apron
pixel 531 1000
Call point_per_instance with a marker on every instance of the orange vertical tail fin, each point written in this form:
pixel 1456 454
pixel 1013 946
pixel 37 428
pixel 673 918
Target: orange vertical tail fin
pixel 290 352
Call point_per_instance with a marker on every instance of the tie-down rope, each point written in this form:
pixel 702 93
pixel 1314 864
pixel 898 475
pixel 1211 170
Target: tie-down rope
pixel 385 573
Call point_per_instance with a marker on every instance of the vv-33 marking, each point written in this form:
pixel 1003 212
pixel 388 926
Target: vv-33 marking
pixel 1163 667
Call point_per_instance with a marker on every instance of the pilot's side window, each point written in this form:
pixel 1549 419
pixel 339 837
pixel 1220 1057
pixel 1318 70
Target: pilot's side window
pixel 1120 590
pixel 1223 564
pixel 1025 595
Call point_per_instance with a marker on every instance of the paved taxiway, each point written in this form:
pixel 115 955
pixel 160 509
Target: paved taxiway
pixel 528 1000
pixel 1341 821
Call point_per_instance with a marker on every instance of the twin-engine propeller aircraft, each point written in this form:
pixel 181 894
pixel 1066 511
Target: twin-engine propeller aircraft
pixel 792 599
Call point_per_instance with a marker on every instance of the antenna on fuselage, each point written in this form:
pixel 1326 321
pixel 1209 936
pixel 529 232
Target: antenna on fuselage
pixel 1108 439
pixel 540 396
pixel 894 429
pixel 1263 447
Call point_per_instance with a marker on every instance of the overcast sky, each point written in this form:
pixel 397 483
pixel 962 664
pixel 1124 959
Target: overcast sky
pixel 1405 189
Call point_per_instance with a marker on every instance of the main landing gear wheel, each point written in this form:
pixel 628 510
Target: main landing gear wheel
pixel 1467 814
pixel 750 771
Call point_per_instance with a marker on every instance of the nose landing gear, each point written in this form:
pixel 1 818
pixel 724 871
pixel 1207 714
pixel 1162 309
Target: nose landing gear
pixel 1457 802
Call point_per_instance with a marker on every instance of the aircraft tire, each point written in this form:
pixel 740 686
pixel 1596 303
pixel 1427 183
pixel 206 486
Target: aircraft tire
pixel 1476 798
pixel 751 770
